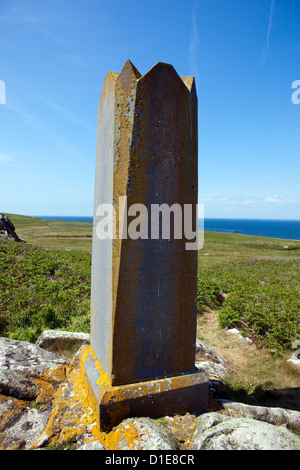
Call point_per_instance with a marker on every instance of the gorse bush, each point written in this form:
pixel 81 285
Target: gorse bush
pixel 42 289
pixel 262 298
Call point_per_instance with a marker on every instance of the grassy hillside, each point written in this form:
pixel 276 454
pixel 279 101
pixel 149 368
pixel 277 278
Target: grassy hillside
pixel 53 234
pixel 42 289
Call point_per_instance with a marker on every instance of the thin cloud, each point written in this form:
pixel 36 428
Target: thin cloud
pixel 194 42
pixel 5 158
pixel 8 161
pixel 28 118
pixel 66 113
pixel 266 48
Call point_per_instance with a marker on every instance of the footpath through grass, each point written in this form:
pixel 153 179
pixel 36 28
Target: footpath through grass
pixel 254 283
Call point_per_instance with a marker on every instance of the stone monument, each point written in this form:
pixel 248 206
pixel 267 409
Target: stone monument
pixel 141 361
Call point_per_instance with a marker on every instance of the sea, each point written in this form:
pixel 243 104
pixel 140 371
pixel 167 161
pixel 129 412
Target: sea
pixel 285 229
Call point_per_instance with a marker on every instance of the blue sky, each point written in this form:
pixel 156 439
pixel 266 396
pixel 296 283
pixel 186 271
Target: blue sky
pixel 54 55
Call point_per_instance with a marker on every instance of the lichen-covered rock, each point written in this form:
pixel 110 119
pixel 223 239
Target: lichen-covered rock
pixel 204 352
pixel 212 370
pixel 271 415
pixel 20 424
pixel 28 374
pixel 218 432
pixel 141 434
pixel 27 358
pixel 26 427
pixel 71 419
pixel 54 340
pixel 7 229
pixel 93 445
pixel 15 384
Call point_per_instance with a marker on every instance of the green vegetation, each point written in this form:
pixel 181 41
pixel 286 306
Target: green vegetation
pixel 42 289
pixel 53 234
pixel 253 282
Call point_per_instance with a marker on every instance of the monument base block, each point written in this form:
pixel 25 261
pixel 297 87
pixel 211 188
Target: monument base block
pixel 153 398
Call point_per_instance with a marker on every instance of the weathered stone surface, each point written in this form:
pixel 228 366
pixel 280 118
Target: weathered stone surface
pixel 94 445
pixel 155 398
pixel 26 427
pixel 17 385
pixel 212 370
pixel 219 432
pixel 144 291
pixel 243 339
pixel 71 419
pixel 143 434
pixel 7 229
pixel 20 424
pixel 27 373
pixel 274 415
pixel 25 357
pixel 64 418
pixel 144 287
pixel 210 362
pixel 55 341
pixel 207 353
pixel 295 359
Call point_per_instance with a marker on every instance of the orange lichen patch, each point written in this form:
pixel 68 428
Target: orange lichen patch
pixel 103 385
pixel 13 407
pixel 181 426
pixel 188 81
pixel 55 375
pixel 7 443
pixel 45 391
pixel 104 380
pixel 125 436
pixel 72 415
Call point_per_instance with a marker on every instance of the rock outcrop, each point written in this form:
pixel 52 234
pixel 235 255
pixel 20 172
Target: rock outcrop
pixel 44 405
pixel 219 432
pixel 7 229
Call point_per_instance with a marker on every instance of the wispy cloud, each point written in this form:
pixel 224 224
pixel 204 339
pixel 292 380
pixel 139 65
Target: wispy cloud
pixel 5 158
pixel 194 41
pixel 256 201
pixel 76 60
pixel 266 48
pixel 28 118
pixel 64 146
pixel 66 113
pixel 8 161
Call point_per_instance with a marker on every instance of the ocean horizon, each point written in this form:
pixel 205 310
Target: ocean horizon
pixel 285 229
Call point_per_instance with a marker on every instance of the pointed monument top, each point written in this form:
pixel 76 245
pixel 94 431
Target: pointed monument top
pixel 189 81
pixel 128 73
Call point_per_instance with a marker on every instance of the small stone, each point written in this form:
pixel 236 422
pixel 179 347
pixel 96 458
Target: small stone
pixel 94 445
pixel 144 434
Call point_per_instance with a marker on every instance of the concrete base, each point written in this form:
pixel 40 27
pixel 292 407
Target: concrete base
pixel 154 398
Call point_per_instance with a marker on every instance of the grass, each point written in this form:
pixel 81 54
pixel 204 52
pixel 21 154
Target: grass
pixel 53 234
pixel 42 289
pixel 254 284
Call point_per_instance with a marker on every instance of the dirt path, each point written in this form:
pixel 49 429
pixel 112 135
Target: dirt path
pixel 254 373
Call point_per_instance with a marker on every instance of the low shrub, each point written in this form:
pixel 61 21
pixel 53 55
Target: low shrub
pixel 42 289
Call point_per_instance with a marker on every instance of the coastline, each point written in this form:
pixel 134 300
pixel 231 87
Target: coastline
pixel 267 228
